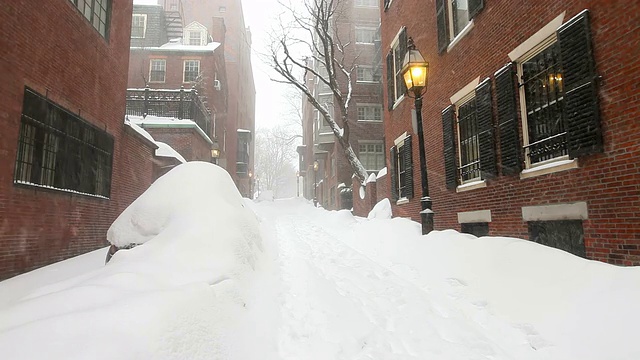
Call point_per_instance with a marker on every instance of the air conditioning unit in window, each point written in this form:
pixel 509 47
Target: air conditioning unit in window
pixel 216 85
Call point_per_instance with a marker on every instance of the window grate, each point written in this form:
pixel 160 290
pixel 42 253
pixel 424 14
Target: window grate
pixel 469 141
pixel 544 101
pixel 59 150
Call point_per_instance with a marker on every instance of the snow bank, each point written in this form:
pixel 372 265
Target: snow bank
pixel 382 210
pixel 165 299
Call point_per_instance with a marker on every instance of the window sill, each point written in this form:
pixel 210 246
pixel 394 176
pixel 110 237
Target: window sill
pixel 55 189
pixel 472 185
pixel 549 168
pixel 398 101
pixel 367 82
pixel 402 201
pixel 370 121
pixel 463 33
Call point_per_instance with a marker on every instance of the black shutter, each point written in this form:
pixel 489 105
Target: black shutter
pixel 386 4
pixel 582 111
pixel 407 152
pixel 475 6
pixel 450 168
pixel 393 160
pixel 391 98
pixel 402 51
pixel 510 148
pixel 484 117
pixel 443 26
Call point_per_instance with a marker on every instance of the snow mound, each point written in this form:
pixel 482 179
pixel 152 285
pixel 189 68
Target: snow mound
pixel 382 210
pixel 266 195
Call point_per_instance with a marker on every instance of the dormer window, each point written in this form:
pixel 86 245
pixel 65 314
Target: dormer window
pixel 138 26
pixel 195 34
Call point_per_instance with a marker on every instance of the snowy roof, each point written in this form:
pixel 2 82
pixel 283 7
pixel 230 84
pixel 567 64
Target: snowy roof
pixel 382 172
pixel 142 132
pixel 164 150
pixel 152 121
pixel 180 47
pixel 372 178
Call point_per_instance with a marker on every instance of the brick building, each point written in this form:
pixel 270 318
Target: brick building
pixel 225 17
pixel 530 120
pixel 357 22
pixel 177 72
pixel 69 164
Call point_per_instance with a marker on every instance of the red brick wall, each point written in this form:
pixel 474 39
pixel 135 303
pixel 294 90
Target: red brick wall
pixel 191 145
pixel 362 207
pixel 80 70
pixel 608 182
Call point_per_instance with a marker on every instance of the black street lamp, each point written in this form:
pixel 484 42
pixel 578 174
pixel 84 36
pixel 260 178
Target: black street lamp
pixel 415 71
pixel 315 183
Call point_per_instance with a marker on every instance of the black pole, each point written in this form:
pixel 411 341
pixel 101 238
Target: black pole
pixel 315 187
pixel 426 215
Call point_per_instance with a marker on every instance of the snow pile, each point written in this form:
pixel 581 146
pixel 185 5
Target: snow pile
pixel 164 150
pixel 382 210
pixel 170 298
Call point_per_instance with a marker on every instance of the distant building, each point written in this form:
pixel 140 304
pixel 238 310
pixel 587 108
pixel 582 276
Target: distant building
pixel 69 163
pixel 358 25
pixel 530 120
pixel 224 20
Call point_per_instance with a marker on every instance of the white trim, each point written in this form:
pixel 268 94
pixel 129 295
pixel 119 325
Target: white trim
pixel 476 184
pixel 151 69
pixel 465 90
pixel 144 27
pixel 549 168
pixel 478 216
pixel 184 70
pixel 547 31
pixel 570 211
pixel 463 33
pixel 399 141
pixel 402 201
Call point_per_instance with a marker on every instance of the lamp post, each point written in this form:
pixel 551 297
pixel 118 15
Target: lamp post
pixel 250 185
pixel 315 183
pixel 215 152
pixel 297 183
pixel 415 71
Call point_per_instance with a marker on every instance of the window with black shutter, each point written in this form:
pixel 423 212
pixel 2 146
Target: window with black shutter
pixel 474 144
pixel 401 167
pixel 507 118
pixel 59 150
pixel 453 17
pixel 448 138
pixel 395 82
pixel 561 117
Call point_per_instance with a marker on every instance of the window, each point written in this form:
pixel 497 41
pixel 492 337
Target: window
pixel 453 17
pixel 365 35
pixel 369 112
pixel 191 70
pixel 59 150
pixel 544 128
pixel 138 26
pixel 567 235
pixel 467 129
pixel 96 11
pixel 401 166
pixel 364 74
pixel 195 38
pixel 371 155
pixel 222 9
pixel 395 83
pixel 468 142
pixel 477 229
pixel 366 3
pixel 558 93
pixel 158 70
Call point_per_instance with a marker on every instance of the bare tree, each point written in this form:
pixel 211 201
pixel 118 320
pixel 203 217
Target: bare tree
pixel 274 158
pixel 324 57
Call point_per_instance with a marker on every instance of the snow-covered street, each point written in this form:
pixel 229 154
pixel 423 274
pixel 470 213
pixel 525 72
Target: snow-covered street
pixel 285 280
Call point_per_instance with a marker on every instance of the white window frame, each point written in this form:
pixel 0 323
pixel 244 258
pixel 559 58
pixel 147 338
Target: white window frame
pixel 151 61
pixel 365 69
pixel 365 29
pixel 375 153
pixel 372 107
pixel 543 45
pixel 184 70
pixel 452 34
pixel 464 100
pixel 399 143
pixel 144 25
pixel 366 3
pixel 394 47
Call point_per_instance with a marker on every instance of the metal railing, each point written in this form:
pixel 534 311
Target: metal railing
pixel 183 104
